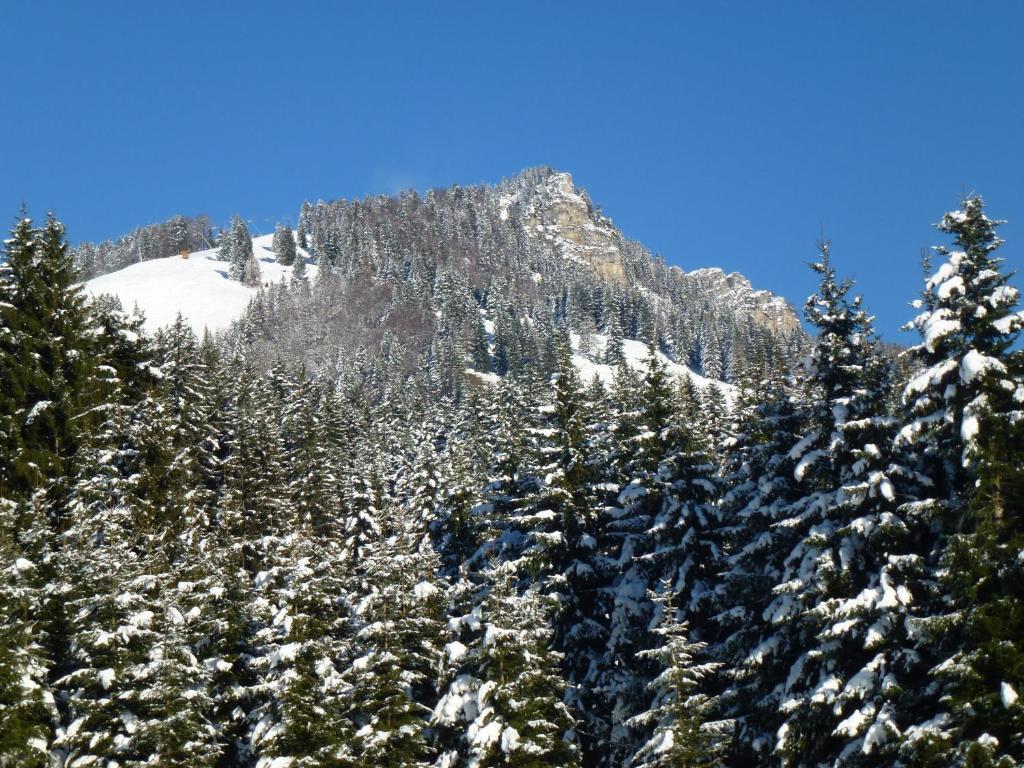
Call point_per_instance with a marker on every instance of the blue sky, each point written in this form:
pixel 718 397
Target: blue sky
pixel 724 134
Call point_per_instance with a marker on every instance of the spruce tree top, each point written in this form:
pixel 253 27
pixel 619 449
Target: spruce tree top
pixel 969 324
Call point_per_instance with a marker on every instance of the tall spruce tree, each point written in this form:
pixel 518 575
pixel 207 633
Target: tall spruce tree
pixel 397 649
pixel 28 714
pixel 963 401
pixel 848 581
pixel 681 717
pixel 284 245
pixel 236 248
pixel 509 697
pixel 52 376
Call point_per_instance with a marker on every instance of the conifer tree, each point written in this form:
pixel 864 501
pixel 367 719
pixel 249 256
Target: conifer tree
pixel 52 377
pixel 848 582
pixel 613 351
pixel 170 687
pixel 760 491
pixel 253 498
pixel 232 614
pixel 964 402
pixel 645 433
pixel 512 476
pixel 284 245
pixel 236 249
pixel 509 700
pixel 310 472
pixel 111 614
pixel 684 731
pixel 12 383
pixel 478 350
pixel 28 714
pixel 299 268
pixel 457 530
pixel 397 650
pixel 305 721
pixel 561 524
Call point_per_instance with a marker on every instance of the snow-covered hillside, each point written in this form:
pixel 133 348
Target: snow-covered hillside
pixel 587 362
pixel 635 353
pixel 198 287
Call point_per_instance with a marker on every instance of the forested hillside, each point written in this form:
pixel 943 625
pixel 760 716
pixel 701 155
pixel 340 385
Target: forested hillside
pixel 383 520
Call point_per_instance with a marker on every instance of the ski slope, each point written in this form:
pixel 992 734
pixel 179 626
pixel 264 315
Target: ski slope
pixel 198 287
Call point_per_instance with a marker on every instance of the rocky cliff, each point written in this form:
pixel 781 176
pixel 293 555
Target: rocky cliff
pixel 563 216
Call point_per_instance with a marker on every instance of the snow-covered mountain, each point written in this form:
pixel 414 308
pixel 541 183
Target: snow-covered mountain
pixel 526 255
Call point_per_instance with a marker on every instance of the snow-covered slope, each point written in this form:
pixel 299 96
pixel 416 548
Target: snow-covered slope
pixel 636 358
pixel 198 287
pixel 635 352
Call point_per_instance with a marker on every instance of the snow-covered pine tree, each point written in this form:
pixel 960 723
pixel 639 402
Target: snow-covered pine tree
pixel 110 630
pixel 848 583
pixel 231 615
pixel 560 525
pixel 363 515
pixel 645 431
pixel 122 344
pixel 299 268
pixel 149 456
pixel 964 401
pixel 509 697
pixel 12 383
pixel 310 471
pixel 284 245
pixel 28 714
pixel 715 422
pixel 52 377
pixel 456 532
pixel 477 348
pixel 554 521
pixel 55 385
pixel 760 491
pixel 236 249
pixel 170 688
pixel 682 546
pixel 397 648
pixel 304 721
pixel 511 476
pixel 253 504
pixel 681 719
pixel 967 328
pixel 423 486
pixel 507 339
pixel 984 577
pixel 613 352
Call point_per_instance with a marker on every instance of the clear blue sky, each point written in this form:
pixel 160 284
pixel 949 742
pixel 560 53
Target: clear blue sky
pixel 725 133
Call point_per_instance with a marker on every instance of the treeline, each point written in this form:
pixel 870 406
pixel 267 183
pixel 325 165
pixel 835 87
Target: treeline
pixel 214 557
pixel 154 241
